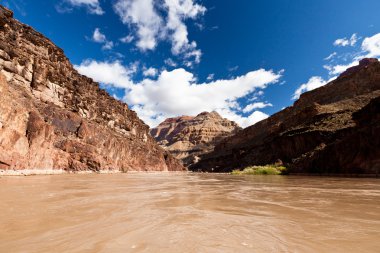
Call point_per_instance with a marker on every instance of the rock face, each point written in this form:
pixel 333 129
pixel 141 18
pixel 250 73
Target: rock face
pixel 188 137
pixel 52 118
pixel 334 129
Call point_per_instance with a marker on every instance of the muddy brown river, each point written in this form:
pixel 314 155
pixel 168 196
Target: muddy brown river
pixel 188 213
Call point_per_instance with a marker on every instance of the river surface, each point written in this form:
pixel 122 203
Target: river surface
pixel 188 213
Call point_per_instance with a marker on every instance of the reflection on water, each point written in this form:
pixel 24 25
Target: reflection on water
pixel 188 213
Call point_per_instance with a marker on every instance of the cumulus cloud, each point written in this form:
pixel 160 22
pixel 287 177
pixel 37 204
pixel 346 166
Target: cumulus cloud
pixel 313 83
pixel 92 6
pixel 371 46
pixel 340 68
pixel 344 42
pixel 113 74
pixel 152 72
pixel 156 20
pixel 108 45
pixel 176 92
pixel 142 15
pixel 170 62
pixel 99 37
pixel 178 12
pixel 258 105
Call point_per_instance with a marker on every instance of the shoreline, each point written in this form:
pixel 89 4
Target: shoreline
pixel 50 172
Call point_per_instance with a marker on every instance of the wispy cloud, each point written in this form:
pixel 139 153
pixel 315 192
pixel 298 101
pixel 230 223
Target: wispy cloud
pixel 127 39
pixel 92 6
pixel 257 105
pixel 344 42
pixel 370 48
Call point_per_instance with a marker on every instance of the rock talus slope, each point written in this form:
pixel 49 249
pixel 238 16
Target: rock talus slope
pixel 189 137
pixel 53 118
pixel 334 129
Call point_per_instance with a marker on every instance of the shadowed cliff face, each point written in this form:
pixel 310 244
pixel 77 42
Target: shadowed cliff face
pixel 334 129
pixel 188 137
pixel 51 117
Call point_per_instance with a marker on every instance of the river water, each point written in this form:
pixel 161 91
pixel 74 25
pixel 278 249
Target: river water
pixel 188 213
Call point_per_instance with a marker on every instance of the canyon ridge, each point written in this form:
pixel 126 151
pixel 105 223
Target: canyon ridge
pixel 330 130
pixel 188 137
pixel 52 119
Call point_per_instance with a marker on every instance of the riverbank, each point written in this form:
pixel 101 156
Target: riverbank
pixel 47 172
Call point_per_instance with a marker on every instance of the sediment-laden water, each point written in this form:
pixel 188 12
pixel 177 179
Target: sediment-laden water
pixel 188 213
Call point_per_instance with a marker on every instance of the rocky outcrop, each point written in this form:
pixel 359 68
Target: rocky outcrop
pixel 334 129
pixel 52 118
pixel 189 137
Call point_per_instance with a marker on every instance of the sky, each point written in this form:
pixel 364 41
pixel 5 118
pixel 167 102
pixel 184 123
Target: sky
pixel 246 59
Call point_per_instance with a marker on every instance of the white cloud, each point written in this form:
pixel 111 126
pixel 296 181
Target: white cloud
pixel 152 72
pixel 156 20
pixel 244 122
pixel 178 12
pixel 231 69
pixel 210 77
pixel 110 73
pixel 170 62
pixel 127 39
pixel 347 42
pixel 142 15
pixel 108 45
pixel 176 92
pixel 331 56
pixel 93 6
pixel 258 105
pixel 99 37
pixel 340 68
pixel 371 46
pixel 313 83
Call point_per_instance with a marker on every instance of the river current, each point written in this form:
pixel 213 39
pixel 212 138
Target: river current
pixel 188 212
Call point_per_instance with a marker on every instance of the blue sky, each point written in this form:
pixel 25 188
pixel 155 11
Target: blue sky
pixel 245 59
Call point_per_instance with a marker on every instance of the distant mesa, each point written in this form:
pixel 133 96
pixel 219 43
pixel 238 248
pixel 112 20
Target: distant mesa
pixel 188 137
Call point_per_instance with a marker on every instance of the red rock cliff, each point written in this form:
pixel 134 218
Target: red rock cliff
pixel 334 129
pixel 189 137
pixel 51 117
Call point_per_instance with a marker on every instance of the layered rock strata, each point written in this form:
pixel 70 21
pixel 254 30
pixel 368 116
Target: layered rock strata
pixel 53 118
pixel 187 137
pixel 334 129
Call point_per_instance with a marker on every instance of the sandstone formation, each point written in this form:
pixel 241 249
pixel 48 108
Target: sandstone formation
pixel 52 118
pixel 188 137
pixel 334 129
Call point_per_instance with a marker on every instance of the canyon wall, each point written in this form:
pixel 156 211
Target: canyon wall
pixel 53 118
pixel 334 129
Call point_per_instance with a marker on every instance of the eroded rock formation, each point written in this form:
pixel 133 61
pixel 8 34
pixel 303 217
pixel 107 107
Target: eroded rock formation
pixel 51 117
pixel 188 137
pixel 334 129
